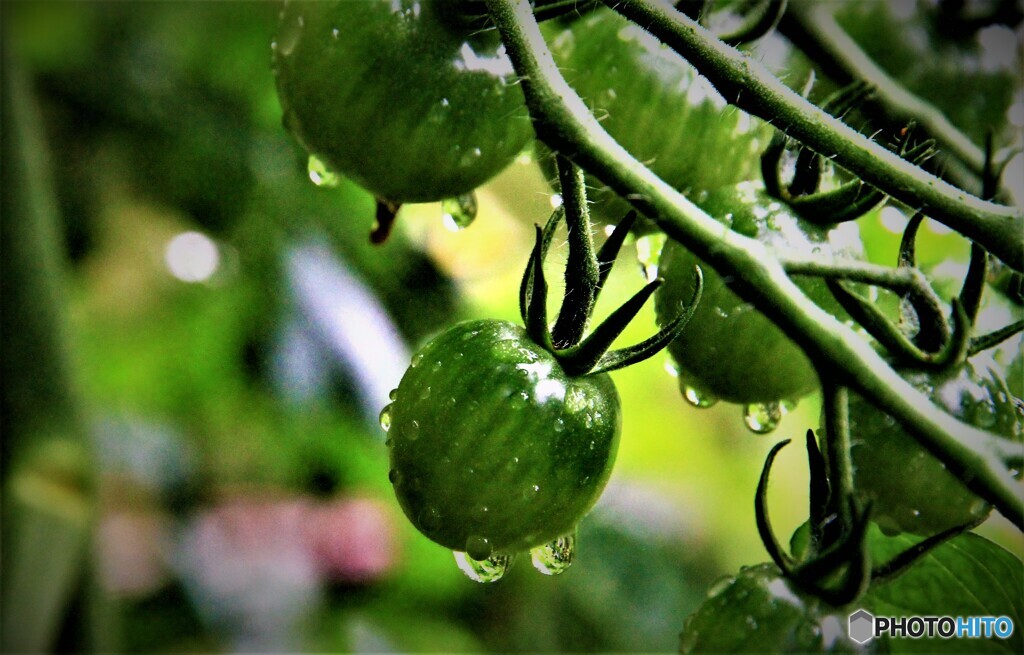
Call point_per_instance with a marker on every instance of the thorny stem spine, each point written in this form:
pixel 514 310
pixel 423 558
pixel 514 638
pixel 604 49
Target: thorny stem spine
pixel 563 120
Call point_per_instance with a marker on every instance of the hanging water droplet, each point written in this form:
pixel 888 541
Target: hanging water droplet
pixel 459 212
pixel 489 570
pixel 671 368
pixel 762 418
pixel 394 476
pixel 698 398
pixel 555 557
pixel 477 547
pixel 648 253
pixel 319 174
pixel 385 417
pixel 393 395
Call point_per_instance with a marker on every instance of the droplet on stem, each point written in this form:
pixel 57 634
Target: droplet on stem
pixel 385 417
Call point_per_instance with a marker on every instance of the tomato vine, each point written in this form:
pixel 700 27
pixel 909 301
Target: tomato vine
pixel 562 120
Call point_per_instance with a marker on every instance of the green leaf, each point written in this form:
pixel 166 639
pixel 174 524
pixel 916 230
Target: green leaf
pixel 967 576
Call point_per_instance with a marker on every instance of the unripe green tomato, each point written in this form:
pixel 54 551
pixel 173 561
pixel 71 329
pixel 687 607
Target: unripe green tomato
pixel 398 96
pixel 494 449
pixel 657 107
pixel 911 490
pixel 729 350
pixel 759 611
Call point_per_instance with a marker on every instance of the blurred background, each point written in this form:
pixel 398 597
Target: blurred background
pixel 198 338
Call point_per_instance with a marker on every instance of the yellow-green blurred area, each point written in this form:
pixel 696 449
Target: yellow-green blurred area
pixel 232 335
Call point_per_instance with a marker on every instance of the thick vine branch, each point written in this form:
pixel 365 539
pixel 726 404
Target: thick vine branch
pixel 814 26
pixel 751 87
pixel 563 121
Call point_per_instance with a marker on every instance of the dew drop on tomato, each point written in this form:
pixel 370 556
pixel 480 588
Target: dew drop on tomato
pixel 385 417
pixel 556 556
pixel 459 212
pixel 762 418
pixel 491 569
pixel 698 398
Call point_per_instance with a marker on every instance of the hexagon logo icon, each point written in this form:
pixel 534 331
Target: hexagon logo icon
pixel 862 626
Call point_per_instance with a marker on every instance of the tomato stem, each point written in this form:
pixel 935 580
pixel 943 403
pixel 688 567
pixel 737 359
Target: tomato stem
pixel 581 267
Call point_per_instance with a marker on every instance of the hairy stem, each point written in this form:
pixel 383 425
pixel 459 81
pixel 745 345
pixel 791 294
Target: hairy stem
pixel 750 86
pixel 562 119
pixel 812 26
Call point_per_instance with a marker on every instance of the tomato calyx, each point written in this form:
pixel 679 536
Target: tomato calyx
pixel 850 200
pixel 585 274
pixel 835 565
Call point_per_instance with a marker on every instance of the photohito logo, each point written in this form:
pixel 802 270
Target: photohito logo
pixel 864 627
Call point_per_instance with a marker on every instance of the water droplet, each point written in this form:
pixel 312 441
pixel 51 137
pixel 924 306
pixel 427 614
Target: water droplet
pixel 319 174
pixel 648 253
pixel 393 395
pixel 394 476
pixel 554 557
pixel 459 212
pixel 489 570
pixel 385 417
pixel 425 393
pixel 762 418
pixel 412 433
pixel 698 398
pixel 430 519
pixel 416 359
pixel 671 368
pixel 477 547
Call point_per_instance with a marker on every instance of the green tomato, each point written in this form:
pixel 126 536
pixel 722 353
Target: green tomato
pixel 397 96
pixel 972 80
pixel 494 449
pixel 912 491
pixel 759 611
pixel 729 350
pixel 657 106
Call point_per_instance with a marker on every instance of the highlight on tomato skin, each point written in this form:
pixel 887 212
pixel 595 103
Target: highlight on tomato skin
pixel 398 97
pixel 494 449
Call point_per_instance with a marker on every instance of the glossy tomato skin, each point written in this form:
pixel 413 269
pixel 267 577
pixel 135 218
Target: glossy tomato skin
pixel 759 611
pixel 656 106
pixel 491 440
pixel 398 96
pixel 729 350
pixel 912 491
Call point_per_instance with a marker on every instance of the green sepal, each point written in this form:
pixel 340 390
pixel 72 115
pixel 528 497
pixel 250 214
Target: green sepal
pixel 764 526
pixel 974 282
pixel 647 348
pixel 537 305
pixel 526 286
pixel 994 338
pixel 583 357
